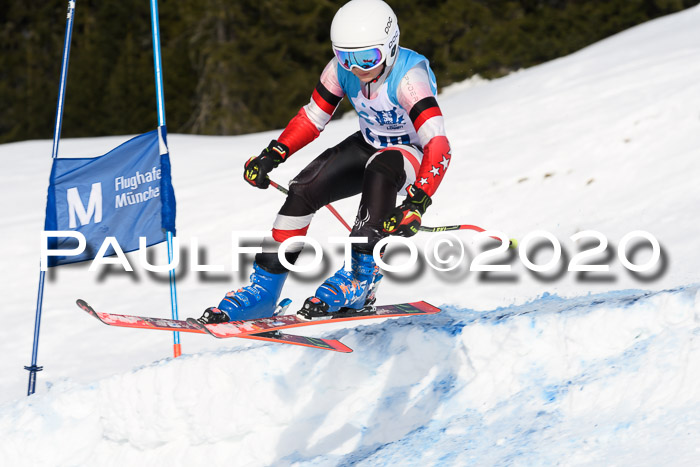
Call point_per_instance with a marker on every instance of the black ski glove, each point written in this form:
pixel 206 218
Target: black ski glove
pixel 405 219
pixel 257 168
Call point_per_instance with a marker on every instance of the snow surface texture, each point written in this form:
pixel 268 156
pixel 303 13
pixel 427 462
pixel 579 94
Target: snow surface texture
pixel 520 368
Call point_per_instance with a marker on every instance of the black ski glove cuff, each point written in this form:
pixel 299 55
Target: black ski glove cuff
pixel 257 169
pixel 417 199
pixel 405 219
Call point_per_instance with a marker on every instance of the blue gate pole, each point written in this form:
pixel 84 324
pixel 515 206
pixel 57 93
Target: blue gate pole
pixel 33 368
pixel 158 68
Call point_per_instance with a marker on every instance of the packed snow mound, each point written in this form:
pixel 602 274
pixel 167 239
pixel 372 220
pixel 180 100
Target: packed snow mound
pixel 606 378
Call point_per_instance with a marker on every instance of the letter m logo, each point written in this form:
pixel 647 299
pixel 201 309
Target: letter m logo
pixel 76 207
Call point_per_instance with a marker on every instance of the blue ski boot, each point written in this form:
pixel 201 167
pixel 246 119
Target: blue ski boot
pixel 345 290
pixel 257 300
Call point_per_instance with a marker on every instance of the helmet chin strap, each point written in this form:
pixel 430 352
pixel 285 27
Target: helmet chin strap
pixel 381 73
pixel 379 79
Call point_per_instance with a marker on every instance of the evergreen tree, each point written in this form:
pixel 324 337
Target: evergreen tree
pixel 31 41
pixel 234 67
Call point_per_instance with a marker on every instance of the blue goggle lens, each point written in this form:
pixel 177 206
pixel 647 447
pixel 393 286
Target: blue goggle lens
pixel 365 59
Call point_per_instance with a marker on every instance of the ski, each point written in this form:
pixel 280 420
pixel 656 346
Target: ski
pixel 164 324
pixel 139 322
pixel 276 323
pixel 277 336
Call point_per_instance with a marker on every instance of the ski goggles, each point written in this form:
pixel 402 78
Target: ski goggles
pixel 365 59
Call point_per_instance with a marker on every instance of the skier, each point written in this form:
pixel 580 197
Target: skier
pixel 401 148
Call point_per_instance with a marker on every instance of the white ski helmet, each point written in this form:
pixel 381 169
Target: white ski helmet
pixel 363 24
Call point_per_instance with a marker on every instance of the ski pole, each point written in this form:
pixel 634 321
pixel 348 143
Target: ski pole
pixel 330 207
pixel 512 243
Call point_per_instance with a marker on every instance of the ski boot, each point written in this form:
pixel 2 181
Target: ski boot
pixel 258 300
pixel 346 291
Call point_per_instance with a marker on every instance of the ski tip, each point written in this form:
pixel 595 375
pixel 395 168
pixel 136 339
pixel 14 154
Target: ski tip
pixel 83 305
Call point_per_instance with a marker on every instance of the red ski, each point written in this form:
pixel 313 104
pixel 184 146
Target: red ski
pixel 164 324
pixel 276 323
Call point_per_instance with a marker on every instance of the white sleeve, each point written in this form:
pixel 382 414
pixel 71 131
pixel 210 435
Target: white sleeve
pixel 415 95
pixel 326 96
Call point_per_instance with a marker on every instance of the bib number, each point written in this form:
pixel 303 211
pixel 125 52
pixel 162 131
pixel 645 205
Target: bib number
pixel 386 141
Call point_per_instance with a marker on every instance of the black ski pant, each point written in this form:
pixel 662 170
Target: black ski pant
pixel 339 172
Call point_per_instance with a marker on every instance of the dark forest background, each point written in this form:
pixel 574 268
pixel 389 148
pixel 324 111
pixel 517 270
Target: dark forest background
pixel 234 67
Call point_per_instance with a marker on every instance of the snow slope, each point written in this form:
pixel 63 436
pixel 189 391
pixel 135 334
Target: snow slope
pixel 520 369
pixel 519 385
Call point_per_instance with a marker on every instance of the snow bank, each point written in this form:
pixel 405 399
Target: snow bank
pixel 606 378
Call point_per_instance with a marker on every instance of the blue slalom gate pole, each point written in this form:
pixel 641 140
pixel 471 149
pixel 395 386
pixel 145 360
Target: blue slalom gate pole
pixel 157 65
pixel 177 351
pixel 158 68
pixel 33 368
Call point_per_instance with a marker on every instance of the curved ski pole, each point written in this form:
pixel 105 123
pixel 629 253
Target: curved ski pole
pixel 512 243
pixel 330 207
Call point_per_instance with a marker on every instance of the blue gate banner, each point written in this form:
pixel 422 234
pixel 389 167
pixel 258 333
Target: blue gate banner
pixel 126 193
